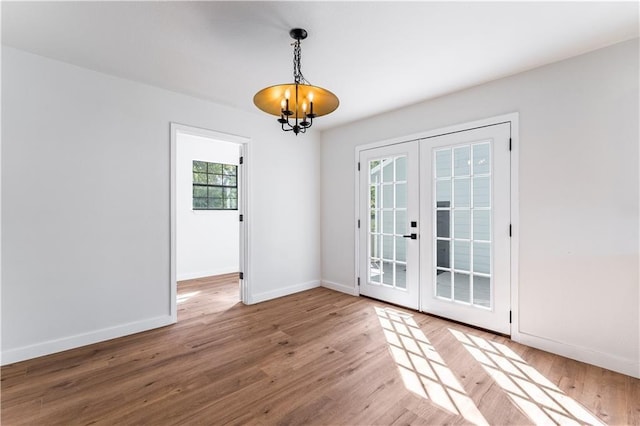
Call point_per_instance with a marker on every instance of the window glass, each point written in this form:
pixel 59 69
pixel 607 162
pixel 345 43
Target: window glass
pixel 215 186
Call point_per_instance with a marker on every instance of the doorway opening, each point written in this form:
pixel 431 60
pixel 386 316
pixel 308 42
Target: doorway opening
pixel 208 209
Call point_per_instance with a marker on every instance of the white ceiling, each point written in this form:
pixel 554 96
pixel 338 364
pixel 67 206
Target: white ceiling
pixel 375 56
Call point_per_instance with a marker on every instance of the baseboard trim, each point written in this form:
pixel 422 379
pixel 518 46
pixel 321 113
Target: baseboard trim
pixel 342 288
pixel 611 362
pixel 23 353
pixel 286 291
pixel 209 273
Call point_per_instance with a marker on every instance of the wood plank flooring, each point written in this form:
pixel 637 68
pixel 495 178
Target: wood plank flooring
pixel 317 357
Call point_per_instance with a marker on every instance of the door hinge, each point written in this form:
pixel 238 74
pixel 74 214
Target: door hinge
pixel 241 160
pixel 241 218
pixel 358 223
pixel 242 275
pixel 509 229
pixel 358 166
pixel 509 317
pixel 358 281
pixel 509 144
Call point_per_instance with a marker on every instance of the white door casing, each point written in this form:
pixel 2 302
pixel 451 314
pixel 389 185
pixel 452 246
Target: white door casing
pixel 245 289
pixel 484 299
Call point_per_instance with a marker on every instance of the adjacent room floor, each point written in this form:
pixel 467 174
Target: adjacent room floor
pixel 317 357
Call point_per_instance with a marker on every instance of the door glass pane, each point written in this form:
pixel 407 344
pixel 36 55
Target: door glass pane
pixel 481 291
pixel 401 249
pixel 375 246
pixel 375 221
pixel 443 193
pixel 387 247
pixel 481 257
pixel 374 171
pixel 387 196
pixel 373 196
pixel 401 195
pixel 462 224
pixel 461 255
pixel 387 222
pixel 443 284
pixel 442 254
pixel 442 223
pixel 443 163
pixel 461 161
pixel 461 192
pixel 481 193
pixel 401 169
pixel 374 269
pixel 481 158
pixel 401 222
pixel 387 273
pixel 461 287
pixel 481 225
pixel 387 170
pixel 401 275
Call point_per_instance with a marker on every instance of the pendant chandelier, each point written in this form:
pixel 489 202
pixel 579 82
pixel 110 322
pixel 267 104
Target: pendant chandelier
pixel 298 103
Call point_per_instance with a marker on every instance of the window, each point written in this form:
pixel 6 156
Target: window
pixel 215 186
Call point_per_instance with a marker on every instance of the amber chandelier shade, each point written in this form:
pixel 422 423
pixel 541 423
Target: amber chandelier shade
pixel 298 103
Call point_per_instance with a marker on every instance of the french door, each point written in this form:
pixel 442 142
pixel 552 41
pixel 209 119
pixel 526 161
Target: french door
pixel 389 206
pixel 465 186
pixel 457 190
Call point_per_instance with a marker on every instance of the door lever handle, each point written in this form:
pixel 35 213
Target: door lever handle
pixel 412 236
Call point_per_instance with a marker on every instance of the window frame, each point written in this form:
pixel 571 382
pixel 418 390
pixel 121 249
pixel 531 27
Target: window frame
pixel 217 177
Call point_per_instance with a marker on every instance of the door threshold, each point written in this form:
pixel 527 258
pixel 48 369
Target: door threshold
pixel 508 336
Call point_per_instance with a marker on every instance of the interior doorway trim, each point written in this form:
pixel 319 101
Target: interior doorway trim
pixel 513 120
pixel 243 208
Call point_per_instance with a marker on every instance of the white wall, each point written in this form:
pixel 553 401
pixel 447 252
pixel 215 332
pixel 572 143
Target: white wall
pixel 578 198
pixel 207 241
pixel 86 212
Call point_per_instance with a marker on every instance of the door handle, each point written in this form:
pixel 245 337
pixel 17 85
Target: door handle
pixel 412 236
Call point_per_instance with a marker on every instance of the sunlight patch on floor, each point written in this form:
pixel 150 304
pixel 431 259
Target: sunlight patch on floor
pixel 541 400
pixel 186 296
pixel 422 369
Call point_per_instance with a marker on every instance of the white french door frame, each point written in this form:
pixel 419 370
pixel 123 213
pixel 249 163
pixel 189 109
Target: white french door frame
pixel 243 209
pixel 513 120
pixel 409 294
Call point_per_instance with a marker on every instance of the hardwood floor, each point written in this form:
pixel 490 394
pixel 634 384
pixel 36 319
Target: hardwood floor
pixel 317 357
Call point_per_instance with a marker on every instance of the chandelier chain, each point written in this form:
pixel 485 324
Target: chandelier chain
pixel 297 67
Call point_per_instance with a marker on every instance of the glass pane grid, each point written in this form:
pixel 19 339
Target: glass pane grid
pixel 462 206
pixel 215 186
pixel 387 252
